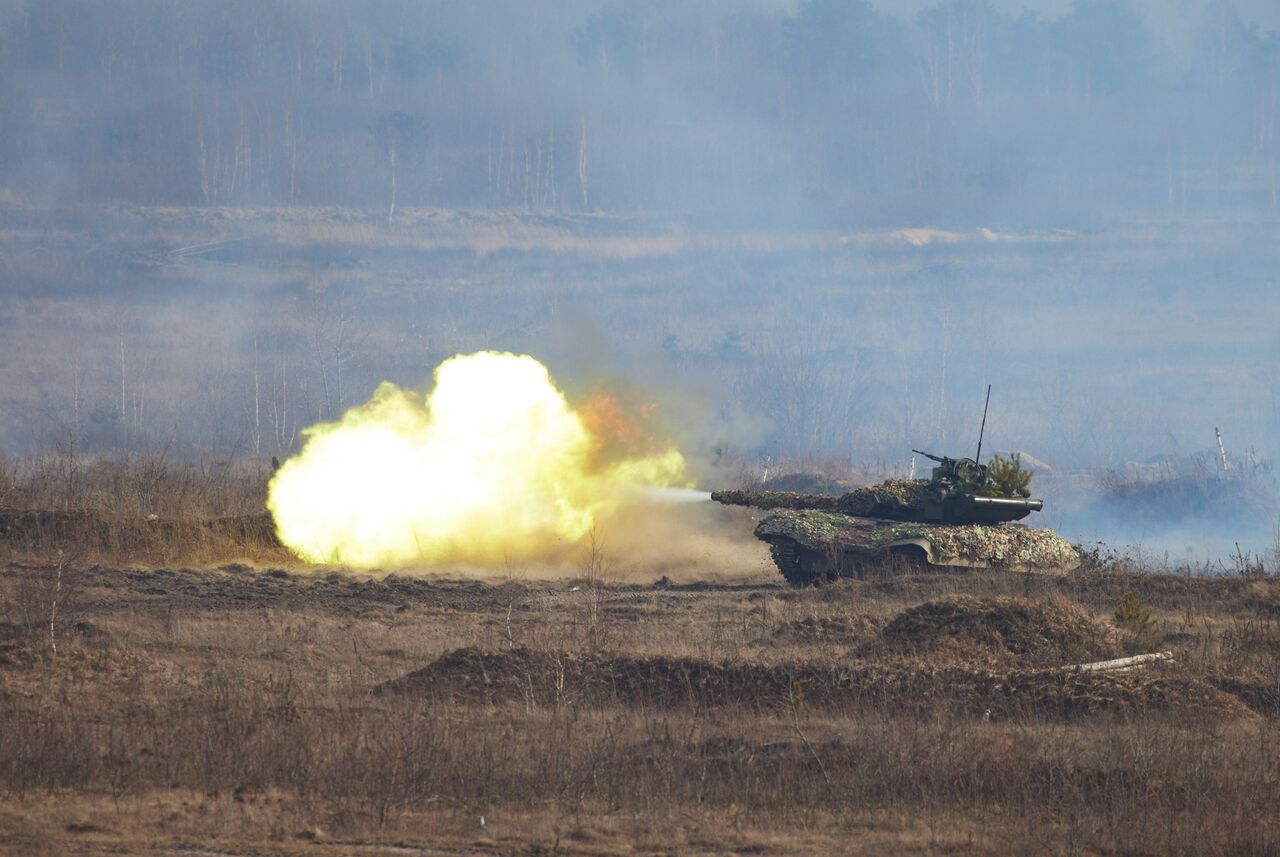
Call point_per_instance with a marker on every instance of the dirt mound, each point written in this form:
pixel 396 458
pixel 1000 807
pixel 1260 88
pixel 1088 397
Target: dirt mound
pixel 552 677
pixel 1014 631
pixel 555 678
pixel 1257 689
pixel 1264 597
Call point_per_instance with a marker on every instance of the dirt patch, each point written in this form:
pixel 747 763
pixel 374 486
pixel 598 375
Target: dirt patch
pixel 555 678
pixel 1005 630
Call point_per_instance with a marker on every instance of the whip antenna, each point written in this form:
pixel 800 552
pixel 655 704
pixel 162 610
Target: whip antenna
pixel 983 430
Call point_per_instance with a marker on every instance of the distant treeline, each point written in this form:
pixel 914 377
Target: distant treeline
pixel 828 109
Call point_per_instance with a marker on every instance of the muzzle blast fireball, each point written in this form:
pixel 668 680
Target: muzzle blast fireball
pixel 492 466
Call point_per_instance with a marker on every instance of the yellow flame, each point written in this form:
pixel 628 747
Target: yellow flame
pixel 493 466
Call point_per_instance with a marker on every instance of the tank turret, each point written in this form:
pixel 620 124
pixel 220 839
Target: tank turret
pixel 960 491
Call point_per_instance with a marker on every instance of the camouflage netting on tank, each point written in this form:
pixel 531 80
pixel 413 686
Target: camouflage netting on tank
pixel 1003 545
pixel 873 500
pixel 810 483
pixel 888 495
pixel 997 546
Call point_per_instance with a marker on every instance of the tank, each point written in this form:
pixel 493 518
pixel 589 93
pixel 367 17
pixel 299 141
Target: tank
pixel 962 516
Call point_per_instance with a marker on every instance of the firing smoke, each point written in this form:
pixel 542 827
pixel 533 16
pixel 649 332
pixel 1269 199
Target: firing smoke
pixel 674 495
pixel 494 466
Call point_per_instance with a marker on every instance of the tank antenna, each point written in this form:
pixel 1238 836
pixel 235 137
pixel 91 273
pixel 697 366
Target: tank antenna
pixel 983 430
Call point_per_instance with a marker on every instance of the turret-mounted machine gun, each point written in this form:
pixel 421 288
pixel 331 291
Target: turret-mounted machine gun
pixel 962 491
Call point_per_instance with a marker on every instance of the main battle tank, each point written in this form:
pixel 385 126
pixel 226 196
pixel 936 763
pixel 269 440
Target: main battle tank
pixel 962 516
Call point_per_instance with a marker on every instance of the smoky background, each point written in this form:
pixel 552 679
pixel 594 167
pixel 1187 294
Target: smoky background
pixel 810 231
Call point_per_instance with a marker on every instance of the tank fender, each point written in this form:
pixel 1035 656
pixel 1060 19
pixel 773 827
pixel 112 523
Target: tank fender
pixel 923 544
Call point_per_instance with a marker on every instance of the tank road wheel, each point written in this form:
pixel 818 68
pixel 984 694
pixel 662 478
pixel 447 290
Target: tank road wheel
pixel 803 566
pixel 823 566
pixel 895 562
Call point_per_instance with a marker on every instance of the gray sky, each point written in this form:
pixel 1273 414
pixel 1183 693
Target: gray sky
pixel 908 8
pixel 1169 16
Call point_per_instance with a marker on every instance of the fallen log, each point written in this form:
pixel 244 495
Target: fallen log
pixel 1121 664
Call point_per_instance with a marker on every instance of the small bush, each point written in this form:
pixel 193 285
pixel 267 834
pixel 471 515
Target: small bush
pixel 1010 476
pixel 1132 616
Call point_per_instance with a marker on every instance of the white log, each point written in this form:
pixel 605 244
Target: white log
pixel 1121 664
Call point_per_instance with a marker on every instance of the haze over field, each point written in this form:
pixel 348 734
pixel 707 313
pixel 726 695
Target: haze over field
pixel 491 426
pixel 800 228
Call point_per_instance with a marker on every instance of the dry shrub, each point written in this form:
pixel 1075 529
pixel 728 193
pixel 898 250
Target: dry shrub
pixel 1131 616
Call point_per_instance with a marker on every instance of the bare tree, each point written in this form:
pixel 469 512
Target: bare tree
pixel 582 164
pixel 337 340
pixel 400 137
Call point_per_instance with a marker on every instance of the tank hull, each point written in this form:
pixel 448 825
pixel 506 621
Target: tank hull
pixel 812 546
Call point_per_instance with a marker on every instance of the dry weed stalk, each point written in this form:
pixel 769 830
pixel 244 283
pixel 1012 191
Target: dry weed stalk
pixel 46 599
pixel 599 572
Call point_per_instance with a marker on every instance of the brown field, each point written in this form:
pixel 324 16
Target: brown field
pixel 192 705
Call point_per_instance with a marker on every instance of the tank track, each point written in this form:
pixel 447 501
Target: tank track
pixel 786 556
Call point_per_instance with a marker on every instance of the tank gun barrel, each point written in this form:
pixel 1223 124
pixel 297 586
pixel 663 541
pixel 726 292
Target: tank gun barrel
pixel 938 458
pixel 1009 505
pixel 774 499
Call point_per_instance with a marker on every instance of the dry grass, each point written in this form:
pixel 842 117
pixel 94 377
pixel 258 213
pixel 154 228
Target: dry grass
pixel 243 710
pixel 148 706
pixel 134 486
pixel 135 509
